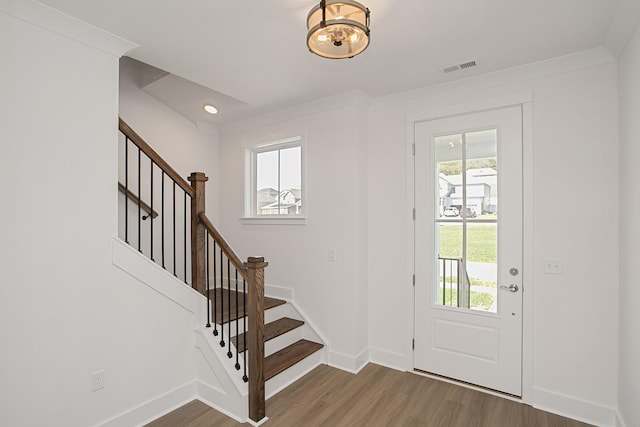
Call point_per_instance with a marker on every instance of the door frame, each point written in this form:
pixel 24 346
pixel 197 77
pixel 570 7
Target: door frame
pixel 441 110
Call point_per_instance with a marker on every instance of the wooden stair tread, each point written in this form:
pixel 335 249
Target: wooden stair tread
pixel 225 312
pixel 271 330
pixel 288 357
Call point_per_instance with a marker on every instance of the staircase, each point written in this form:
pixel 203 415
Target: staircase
pixel 292 348
pixel 265 339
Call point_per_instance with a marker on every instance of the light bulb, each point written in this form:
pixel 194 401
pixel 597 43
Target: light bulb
pixel 322 38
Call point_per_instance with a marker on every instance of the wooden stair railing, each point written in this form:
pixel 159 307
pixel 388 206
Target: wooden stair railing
pixel 151 153
pixel 252 273
pixel 135 199
pixel 165 243
pixel 203 235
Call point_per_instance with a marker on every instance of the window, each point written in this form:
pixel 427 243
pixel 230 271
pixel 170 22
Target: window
pixel 275 189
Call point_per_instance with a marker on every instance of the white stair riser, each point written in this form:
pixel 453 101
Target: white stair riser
pixel 284 310
pixel 273 314
pixel 272 346
pixel 282 341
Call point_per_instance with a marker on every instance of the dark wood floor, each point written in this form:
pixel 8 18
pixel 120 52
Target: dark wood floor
pixel 377 396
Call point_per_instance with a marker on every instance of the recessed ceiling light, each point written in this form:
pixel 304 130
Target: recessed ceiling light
pixel 210 109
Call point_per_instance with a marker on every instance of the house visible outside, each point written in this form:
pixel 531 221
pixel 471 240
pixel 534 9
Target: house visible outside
pixel 482 191
pixel 288 202
pixel 278 178
pixel 480 262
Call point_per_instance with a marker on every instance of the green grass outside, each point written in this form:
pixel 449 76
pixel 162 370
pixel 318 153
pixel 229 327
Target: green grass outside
pixel 474 281
pixel 478 300
pixel 481 242
pixel 481 247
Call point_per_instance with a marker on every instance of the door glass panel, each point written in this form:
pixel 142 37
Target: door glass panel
pixel 449 263
pixel 466 220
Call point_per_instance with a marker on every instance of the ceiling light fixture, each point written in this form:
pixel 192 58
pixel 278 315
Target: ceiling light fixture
pixel 338 29
pixel 210 109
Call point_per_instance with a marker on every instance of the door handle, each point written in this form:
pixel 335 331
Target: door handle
pixel 512 287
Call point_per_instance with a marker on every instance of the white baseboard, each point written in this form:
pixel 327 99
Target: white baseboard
pixel 571 407
pixel 362 359
pixel 168 402
pixel 348 363
pixel 234 406
pixel 389 359
pixel 154 408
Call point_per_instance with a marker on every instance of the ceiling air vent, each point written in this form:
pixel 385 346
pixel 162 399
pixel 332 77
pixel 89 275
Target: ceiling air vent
pixel 467 65
pixel 463 66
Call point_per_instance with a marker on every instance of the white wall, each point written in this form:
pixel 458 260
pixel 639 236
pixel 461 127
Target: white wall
pixel 332 294
pixel 572 342
pixel 572 348
pixel 629 369
pixel 67 311
pixel 186 146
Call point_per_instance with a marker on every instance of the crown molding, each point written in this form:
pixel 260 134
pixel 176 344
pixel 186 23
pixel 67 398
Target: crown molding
pixel 354 98
pixel 67 26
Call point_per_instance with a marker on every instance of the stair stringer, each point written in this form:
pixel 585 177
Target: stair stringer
pixel 219 384
pixel 215 381
pixel 227 392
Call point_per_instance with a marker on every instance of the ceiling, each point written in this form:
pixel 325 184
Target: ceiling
pixel 250 57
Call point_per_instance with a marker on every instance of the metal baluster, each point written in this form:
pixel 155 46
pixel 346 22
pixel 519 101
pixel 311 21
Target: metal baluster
pixel 229 355
pixel 185 237
pixel 126 189
pixel 215 297
pixel 207 279
pixel 245 378
pixel 162 219
pixel 458 284
pixel 174 229
pixel 237 324
pixel 451 282
pixel 139 200
pixel 221 300
pixel 444 280
pixel 151 213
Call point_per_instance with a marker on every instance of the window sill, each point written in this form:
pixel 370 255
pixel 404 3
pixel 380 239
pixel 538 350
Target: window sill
pixel 276 220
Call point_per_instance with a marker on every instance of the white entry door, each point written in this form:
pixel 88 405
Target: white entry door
pixel 468 248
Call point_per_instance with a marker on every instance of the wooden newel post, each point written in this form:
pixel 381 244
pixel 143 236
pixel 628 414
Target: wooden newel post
pixel 255 332
pixel 198 236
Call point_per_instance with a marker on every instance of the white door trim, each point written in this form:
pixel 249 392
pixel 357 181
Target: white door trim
pixel 442 109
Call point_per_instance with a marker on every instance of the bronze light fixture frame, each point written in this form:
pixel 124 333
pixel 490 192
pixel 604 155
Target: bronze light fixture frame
pixel 338 29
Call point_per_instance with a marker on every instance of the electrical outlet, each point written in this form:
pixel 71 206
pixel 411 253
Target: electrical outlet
pixel 332 255
pixel 97 380
pixel 553 265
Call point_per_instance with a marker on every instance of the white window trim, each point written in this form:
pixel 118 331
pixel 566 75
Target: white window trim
pixel 250 217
